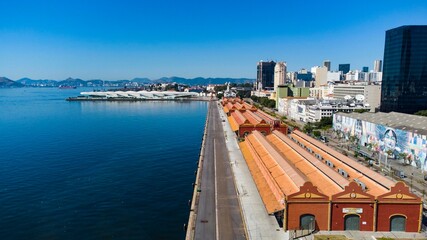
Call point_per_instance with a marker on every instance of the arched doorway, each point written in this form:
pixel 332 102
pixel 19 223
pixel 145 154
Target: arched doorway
pixel 398 223
pixel 307 222
pixel 352 222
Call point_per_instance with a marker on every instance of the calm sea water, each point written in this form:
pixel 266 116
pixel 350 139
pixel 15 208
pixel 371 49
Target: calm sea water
pixel 95 170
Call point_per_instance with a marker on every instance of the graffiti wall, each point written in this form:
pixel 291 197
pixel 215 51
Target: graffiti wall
pixel 380 138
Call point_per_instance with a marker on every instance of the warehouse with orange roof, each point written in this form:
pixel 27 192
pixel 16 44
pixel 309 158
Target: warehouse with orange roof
pixel 308 185
pixel 245 118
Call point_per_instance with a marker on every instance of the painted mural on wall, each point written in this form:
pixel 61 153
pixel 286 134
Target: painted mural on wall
pixel 379 138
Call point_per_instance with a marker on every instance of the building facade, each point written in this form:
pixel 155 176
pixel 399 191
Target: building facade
pixel 327 64
pixel 404 85
pixel 377 65
pixel 321 76
pixel 387 132
pixel 265 75
pixel 279 74
pixel 344 68
pixel 371 93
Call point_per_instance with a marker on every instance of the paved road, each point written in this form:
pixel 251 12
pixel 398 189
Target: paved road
pixel 218 214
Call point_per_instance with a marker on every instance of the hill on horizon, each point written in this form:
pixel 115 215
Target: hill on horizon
pixel 6 82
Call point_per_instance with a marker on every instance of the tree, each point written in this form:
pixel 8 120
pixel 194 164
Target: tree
pixel 308 128
pixel 324 123
pixel 317 133
pixel 421 113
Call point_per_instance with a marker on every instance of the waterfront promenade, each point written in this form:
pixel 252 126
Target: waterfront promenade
pixel 216 211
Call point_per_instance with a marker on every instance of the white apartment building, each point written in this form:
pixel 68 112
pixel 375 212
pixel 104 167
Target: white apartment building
pixel 333 76
pixel 311 110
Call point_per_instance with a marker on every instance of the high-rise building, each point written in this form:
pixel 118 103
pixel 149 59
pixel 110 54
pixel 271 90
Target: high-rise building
pixel 321 77
pixel 365 69
pixel 327 64
pixel 279 74
pixel 344 68
pixel 377 65
pixel 265 74
pixel 404 82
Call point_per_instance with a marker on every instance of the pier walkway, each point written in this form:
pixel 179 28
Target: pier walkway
pixel 218 214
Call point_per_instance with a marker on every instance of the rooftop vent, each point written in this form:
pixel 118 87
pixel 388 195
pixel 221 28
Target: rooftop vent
pixel 343 173
pixel 361 184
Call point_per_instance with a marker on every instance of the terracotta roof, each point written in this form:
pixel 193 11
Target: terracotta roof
pixel 254 119
pixel 265 116
pixel 230 106
pixel 240 119
pixel 354 174
pixel 233 124
pixel 270 193
pixel 249 106
pixel 380 179
pixel 288 179
pixel 226 110
pixel 327 180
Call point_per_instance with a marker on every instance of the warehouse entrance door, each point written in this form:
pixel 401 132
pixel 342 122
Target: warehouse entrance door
pixel 398 223
pixel 352 222
pixel 307 222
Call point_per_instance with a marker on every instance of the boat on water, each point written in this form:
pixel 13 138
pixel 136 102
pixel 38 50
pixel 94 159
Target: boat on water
pixel 66 87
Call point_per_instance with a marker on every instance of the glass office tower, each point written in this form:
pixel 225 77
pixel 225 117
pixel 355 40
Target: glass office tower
pixel 265 75
pixel 404 84
pixel 344 68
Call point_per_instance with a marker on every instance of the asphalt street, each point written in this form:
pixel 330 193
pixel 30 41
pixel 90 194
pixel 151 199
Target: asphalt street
pixel 218 213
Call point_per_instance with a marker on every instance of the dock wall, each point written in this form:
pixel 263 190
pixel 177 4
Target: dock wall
pixel 196 191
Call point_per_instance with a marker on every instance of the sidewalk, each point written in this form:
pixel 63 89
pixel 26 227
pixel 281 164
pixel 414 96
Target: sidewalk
pixel 259 225
pixel 373 235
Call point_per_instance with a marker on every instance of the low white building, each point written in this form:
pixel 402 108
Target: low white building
pixel 333 76
pixel 322 92
pixel 371 93
pixel 312 110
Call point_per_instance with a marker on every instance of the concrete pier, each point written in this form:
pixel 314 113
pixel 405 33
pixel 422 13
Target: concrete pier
pixel 215 211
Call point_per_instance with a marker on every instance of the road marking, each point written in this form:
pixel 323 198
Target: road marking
pixel 216 195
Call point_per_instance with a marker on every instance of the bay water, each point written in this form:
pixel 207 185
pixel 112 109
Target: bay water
pixel 95 170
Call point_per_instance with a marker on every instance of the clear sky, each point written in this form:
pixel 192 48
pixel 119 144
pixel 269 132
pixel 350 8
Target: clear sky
pixel 126 39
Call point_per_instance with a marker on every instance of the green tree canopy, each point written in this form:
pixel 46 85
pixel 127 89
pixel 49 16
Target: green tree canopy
pixel 421 113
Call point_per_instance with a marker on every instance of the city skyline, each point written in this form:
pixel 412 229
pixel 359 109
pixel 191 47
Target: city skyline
pixel 127 39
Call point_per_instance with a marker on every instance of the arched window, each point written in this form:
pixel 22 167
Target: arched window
pixel 352 222
pixel 307 222
pixel 398 223
pixel 264 133
pixel 245 134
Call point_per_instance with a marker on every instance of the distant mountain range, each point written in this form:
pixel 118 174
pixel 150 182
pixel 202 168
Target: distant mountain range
pixel 7 83
pixel 76 82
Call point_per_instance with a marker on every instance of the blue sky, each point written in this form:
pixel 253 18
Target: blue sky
pixel 126 39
